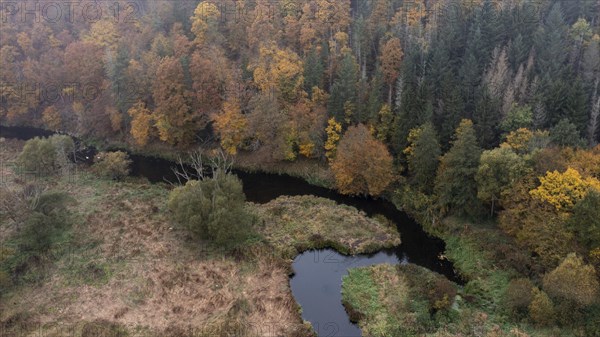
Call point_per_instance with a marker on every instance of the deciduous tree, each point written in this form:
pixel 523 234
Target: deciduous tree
pixel 391 60
pixel 141 123
pixel 498 170
pixel 564 190
pixel 362 165
pixel 231 126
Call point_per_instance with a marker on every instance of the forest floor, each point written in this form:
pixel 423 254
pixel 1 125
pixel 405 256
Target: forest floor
pixel 127 269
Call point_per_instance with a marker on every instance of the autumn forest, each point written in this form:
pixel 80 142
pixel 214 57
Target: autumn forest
pixel 478 118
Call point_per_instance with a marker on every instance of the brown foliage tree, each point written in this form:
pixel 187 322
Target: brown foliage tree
pixel 175 121
pixel 363 164
pixel 391 59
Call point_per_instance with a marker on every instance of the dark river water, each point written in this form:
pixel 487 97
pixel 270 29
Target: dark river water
pixel 316 284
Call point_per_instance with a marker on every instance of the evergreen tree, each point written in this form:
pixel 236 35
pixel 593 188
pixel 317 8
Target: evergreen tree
pixel 375 100
pixel 116 65
pixel 447 99
pixel 413 104
pixel 486 118
pixel 455 184
pixel 313 72
pixel 343 90
pixel 423 155
pixel 565 133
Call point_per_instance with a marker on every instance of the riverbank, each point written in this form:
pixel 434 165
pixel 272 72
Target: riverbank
pixel 125 267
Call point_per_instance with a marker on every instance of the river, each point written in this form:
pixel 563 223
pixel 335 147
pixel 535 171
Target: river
pixel 316 284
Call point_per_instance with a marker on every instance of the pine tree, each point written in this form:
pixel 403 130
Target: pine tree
pixel 487 118
pixel 344 87
pixel 413 104
pixel 313 71
pixel 455 184
pixel 423 155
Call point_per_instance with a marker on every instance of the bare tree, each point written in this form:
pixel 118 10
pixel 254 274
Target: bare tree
pixel 196 168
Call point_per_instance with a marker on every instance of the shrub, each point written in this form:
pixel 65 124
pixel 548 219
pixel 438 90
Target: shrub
pixel 212 209
pixel 541 308
pixel 573 281
pixel 442 294
pixel 45 155
pixel 113 165
pixel 518 295
pixel 46 223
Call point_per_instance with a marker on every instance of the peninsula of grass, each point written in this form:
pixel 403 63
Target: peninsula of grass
pixel 128 268
pixel 387 300
pixel 299 223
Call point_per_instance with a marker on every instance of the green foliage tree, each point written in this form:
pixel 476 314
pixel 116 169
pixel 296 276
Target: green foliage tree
pixel 565 133
pixel 423 156
pixel 498 170
pixel 113 165
pixel 343 91
pixel 519 116
pixel 455 183
pixel 585 220
pixel 213 209
pixel 313 71
pixel 45 155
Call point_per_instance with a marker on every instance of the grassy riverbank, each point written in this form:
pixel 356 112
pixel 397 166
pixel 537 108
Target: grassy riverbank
pixel 122 266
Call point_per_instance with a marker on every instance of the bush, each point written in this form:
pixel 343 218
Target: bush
pixel 46 223
pixel 442 294
pixel 212 209
pixel 113 165
pixel 541 308
pixel 45 155
pixel 518 296
pixel 573 281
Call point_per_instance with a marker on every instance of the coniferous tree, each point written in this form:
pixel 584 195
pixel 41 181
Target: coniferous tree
pixel 455 184
pixel 313 72
pixel 343 90
pixel 423 155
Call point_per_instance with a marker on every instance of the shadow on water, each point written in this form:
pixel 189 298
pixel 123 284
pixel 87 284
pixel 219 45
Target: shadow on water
pixel 316 286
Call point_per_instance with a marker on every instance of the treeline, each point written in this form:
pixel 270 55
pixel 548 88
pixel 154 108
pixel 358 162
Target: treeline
pixel 266 76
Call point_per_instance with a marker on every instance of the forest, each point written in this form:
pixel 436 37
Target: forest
pixel 479 118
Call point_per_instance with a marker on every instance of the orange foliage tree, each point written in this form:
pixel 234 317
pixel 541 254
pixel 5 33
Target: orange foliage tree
pixel 141 123
pixel 363 164
pixel 391 59
pixel 173 115
pixel 231 126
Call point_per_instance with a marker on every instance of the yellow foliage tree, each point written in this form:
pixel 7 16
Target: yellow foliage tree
pixel 205 18
pixel 103 33
pixel 520 140
pixel 51 117
pixel 564 190
pixel 333 137
pixel 116 119
pixel 279 70
pixel 231 125
pixel 141 123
